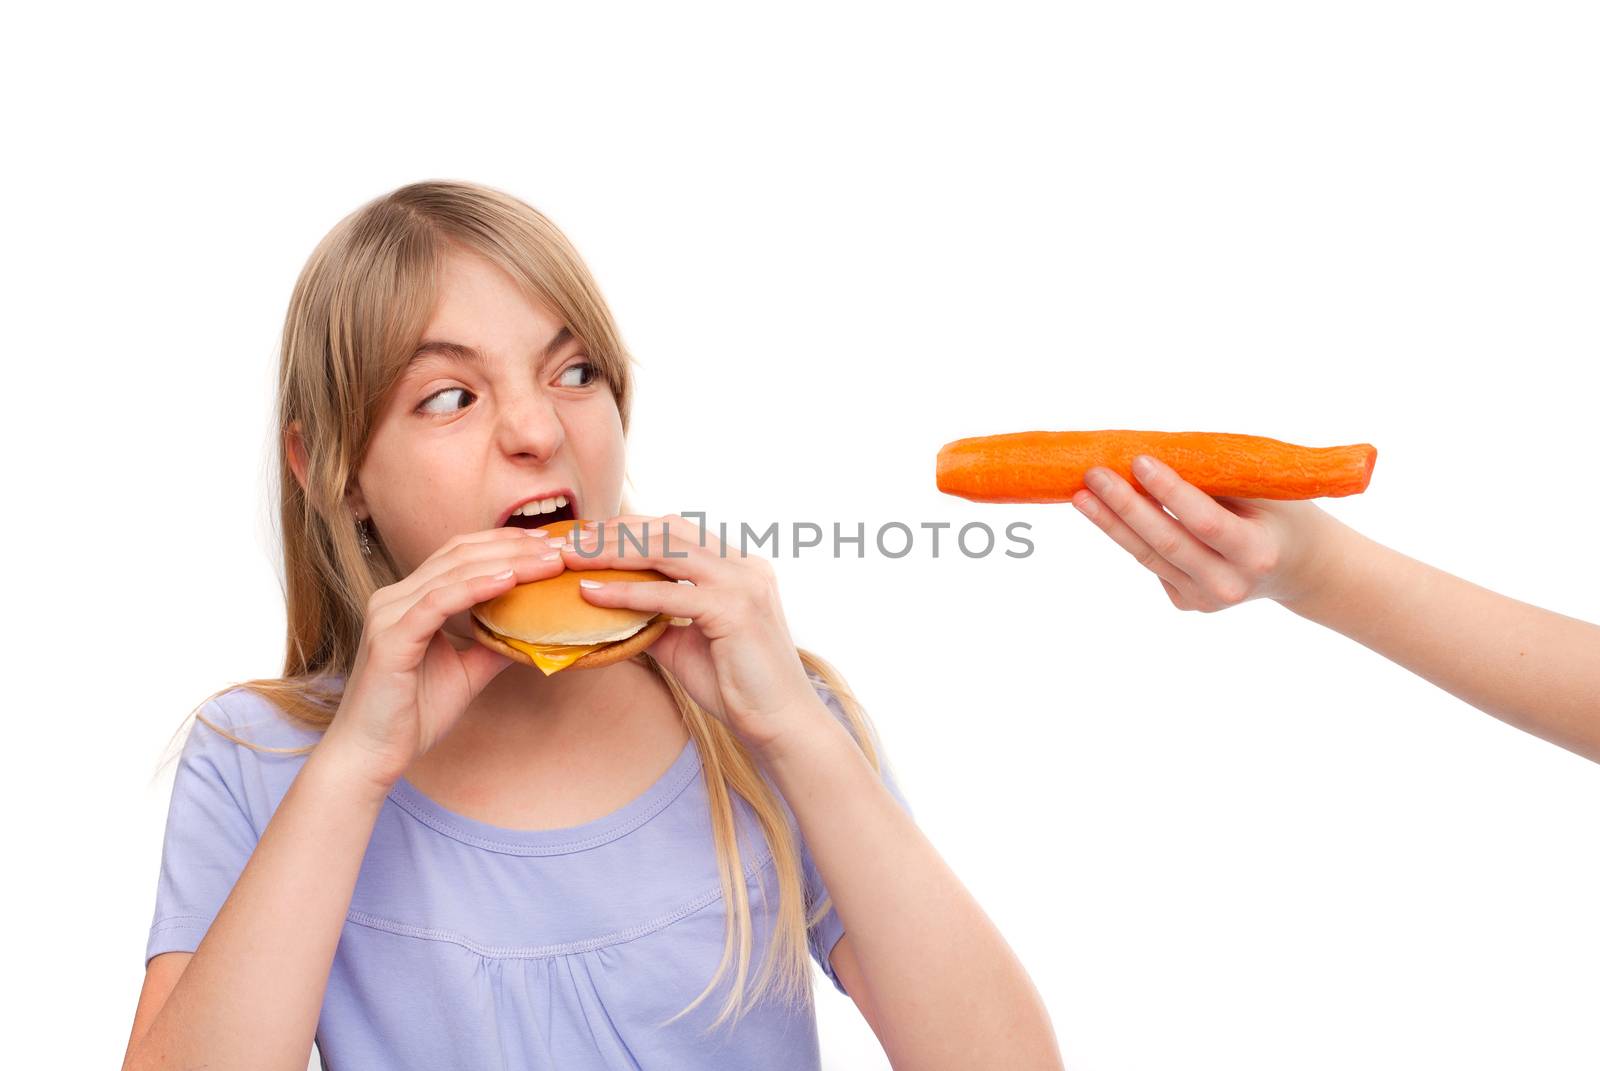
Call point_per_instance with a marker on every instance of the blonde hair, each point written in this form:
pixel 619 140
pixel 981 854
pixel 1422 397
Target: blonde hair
pixel 355 317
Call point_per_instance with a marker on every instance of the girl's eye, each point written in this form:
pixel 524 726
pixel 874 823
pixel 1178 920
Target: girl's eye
pixel 593 371
pixel 423 408
pixel 587 369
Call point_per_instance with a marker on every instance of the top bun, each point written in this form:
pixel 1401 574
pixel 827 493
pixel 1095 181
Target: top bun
pixel 554 611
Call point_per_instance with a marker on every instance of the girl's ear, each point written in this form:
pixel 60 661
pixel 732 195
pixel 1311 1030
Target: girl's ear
pixel 294 446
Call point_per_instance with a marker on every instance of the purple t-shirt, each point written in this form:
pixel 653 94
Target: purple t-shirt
pixel 469 945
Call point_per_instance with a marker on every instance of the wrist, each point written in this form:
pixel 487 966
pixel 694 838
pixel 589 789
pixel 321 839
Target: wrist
pixel 1324 574
pixel 809 727
pixel 342 764
pixel 799 727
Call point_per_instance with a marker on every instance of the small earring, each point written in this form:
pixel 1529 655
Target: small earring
pixel 363 528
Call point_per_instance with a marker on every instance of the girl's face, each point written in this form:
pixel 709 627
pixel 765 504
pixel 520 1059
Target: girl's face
pixel 465 438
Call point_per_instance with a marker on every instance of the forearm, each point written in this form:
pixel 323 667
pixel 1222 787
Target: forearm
pixel 1529 667
pixel 252 994
pixel 947 989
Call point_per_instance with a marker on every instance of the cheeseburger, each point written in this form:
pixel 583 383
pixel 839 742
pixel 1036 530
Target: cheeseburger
pixel 549 624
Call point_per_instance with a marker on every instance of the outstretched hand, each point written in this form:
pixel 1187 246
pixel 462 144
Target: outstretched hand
pixel 1209 553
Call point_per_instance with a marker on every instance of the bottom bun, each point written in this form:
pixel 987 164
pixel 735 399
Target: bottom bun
pixel 603 656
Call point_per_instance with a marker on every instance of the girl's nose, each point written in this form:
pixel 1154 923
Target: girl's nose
pixel 531 425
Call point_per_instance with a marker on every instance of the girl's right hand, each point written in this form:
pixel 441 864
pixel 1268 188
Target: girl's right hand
pixel 409 684
pixel 1211 553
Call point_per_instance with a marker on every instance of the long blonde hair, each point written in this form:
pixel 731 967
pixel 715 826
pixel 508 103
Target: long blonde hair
pixel 356 316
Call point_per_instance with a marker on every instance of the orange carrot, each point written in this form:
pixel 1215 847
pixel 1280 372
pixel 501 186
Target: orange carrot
pixel 1048 466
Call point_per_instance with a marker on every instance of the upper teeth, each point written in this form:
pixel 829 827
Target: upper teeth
pixel 543 505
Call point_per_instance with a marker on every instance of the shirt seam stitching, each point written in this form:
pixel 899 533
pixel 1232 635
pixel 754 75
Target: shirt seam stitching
pixel 178 920
pixel 439 825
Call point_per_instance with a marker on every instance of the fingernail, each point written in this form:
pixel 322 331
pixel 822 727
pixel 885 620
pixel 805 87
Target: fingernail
pixel 538 532
pixel 591 524
pixel 1085 504
pixel 590 584
pixel 1143 466
pixel 552 556
pixel 1098 480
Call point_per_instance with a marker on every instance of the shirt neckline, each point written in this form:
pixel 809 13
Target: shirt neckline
pixel 592 834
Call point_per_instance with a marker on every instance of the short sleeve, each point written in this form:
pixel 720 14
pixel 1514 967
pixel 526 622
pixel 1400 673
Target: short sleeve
pixel 826 933
pixel 208 841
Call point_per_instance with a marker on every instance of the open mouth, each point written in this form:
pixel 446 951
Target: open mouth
pixel 539 520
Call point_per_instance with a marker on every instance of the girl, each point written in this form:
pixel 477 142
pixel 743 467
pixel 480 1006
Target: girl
pixel 427 855
pixel 1529 667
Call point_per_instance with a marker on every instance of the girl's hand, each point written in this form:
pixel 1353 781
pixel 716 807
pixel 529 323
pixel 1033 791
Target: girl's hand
pixel 734 655
pixel 409 684
pixel 1218 552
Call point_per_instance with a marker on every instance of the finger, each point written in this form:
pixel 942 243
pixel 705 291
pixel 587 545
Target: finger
pixel 527 564
pixel 487 535
pixel 468 550
pixel 682 601
pixel 481 550
pixel 685 534
pixel 1162 533
pixel 403 643
pixel 1112 525
pixel 1210 522
pixel 666 549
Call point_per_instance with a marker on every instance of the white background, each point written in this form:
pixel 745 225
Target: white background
pixel 835 238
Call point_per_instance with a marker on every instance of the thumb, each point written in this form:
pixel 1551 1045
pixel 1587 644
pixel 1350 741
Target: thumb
pixel 482 665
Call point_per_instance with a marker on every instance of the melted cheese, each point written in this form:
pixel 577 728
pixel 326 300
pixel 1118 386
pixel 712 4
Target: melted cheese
pixel 554 657
pixel 550 657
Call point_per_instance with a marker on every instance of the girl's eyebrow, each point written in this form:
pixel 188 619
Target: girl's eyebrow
pixel 456 351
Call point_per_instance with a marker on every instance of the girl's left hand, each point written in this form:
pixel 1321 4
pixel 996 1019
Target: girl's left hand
pixel 734 656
